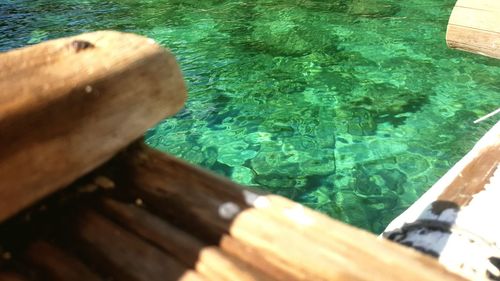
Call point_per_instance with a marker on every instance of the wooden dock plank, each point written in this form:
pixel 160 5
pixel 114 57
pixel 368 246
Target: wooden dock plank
pixel 169 185
pixel 474 26
pixel 210 261
pixel 323 250
pixel 123 255
pixel 62 99
pixel 178 243
pixel 490 5
pixel 472 40
pixel 474 18
pixel 252 236
pixel 216 265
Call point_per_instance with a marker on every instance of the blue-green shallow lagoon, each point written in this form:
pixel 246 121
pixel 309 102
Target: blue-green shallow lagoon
pixel 352 107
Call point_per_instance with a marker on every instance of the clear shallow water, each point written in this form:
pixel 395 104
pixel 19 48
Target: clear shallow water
pixel 352 107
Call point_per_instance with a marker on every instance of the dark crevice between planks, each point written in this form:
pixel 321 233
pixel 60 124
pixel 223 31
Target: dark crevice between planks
pixel 33 243
pixel 192 199
pixel 106 226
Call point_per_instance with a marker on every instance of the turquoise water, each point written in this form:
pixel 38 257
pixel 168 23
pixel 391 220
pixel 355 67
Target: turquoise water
pixel 352 107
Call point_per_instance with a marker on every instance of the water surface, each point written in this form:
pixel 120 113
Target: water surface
pixel 352 107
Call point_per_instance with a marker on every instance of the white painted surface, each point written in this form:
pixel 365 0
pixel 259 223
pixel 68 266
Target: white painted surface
pixel 473 235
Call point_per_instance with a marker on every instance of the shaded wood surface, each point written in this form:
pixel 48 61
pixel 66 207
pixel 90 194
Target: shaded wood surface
pixel 474 26
pixel 210 261
pixel 68 105
pixel 169 185
pixel 479 5
pixel 58 265
pixel 264 237
pixel 124 255
pixel 324 249
pixel 268 264
pixel 188 224
pixel 176 242
pixel 294 242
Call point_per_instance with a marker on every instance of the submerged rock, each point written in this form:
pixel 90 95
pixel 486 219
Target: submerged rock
pixel 377 103
pixel 288 33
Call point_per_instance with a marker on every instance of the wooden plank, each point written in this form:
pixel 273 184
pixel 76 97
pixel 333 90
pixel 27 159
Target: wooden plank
pixel 64 102
pixel 209 261
pixel 124 255
pixel 488 5
pixel 477 19
pixel 327 250
pixel 310 246
pixel 472 40
pixel 169 185
pixel 58 265
pixel 176 242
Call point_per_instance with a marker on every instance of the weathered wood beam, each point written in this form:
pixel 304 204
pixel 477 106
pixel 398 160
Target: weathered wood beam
pixel 208 202
pixel 474 26
pixel 68 105
pixel 124 255
pixel 209 261
pixel 324 249
pixel 176 242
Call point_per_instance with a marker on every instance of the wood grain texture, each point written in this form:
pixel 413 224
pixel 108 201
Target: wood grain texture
pixel 488 5
pixel 268 264
pixel 324 249
pixel 58 265
pixel 472 40
pixel 475 18
pixel 176 242
pixel 283 239
pixel 474 26
pixel 125 256
pixel 474 176
pixel 169 184
pixel 209 261
pixel 68 105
